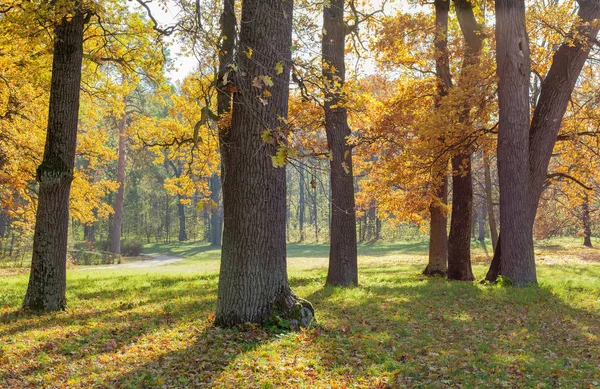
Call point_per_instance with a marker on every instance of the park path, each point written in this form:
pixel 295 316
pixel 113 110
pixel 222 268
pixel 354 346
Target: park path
pixel 157 260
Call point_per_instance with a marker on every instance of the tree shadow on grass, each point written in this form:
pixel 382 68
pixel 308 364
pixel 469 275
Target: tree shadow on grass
pixel 199 364
pixel 407 330
pixel 433 333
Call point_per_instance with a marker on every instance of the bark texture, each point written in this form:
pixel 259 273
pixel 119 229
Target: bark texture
pixel 226 52
pixel 47 280
pixel 459 241
pixel 343 265
pixel 459 245
pixel 438 229
pixel 438 234
pixel 253 281
pixel 524 151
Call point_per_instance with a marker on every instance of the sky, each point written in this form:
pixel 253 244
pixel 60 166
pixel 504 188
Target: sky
pixel 183 64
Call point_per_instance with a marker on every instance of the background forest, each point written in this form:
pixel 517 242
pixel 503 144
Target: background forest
pixel 156 137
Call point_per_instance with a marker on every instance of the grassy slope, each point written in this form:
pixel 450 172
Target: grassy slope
pixel 150 327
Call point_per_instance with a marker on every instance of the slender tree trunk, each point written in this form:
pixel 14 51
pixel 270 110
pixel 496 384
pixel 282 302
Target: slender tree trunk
pixel 489 201
pixel 4 221
pixel 301 203
pixel 167 218
pixel 117 220
pixel 315 212
pixel 216 215
pixel 3 230
pixel 253 281
pixel 481 223
pixel 459 241
pixel 89 232
pixel 182 220
pixel 555 95
pixel 587 225
pixel 343 265
pixel 47 280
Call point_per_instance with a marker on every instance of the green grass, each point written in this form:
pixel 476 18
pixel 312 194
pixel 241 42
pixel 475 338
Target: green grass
pixel 151 327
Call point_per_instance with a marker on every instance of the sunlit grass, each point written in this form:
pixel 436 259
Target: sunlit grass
pixel 151 327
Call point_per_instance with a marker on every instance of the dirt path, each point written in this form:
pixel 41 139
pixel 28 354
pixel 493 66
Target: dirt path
pixel 157 260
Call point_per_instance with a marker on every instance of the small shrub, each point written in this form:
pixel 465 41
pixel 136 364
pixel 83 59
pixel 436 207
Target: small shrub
pixel 131 248
pixel 102 245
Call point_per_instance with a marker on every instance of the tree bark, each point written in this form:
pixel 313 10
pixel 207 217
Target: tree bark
pixel 555 95
pixel 438 234
pixel 343 264
pixel 540 137
pixel 117 220
pixel 253 281
pixel 438 231
pixel 47 280
pixel 459 241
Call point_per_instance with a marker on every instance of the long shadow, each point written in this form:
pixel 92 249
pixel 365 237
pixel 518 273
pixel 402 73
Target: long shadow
pixel 198 365
pixel 460 334
pixel 400 329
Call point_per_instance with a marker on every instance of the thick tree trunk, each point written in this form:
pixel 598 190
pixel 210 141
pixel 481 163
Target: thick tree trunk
pixel 47 280
pixel 301 202
pixel 541 136
pixel 513 63
pixel 438 233
pixel 117 220
pixel 182 237
pixel 459 241
pixel 489 201
pixel 253 281
pixel 587 225
pixel 343 265
pixel 216 215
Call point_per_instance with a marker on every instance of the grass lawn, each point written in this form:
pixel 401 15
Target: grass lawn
pixel 151 327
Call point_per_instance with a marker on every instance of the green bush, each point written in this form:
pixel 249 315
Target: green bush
pixel 131 247
pixel 102 245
